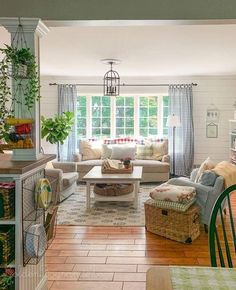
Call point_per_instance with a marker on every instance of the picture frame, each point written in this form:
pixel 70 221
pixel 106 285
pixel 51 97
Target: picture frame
pixel 212 130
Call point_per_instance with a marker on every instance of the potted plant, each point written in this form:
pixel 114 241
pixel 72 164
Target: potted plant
pixel 57 129
pixel 126 162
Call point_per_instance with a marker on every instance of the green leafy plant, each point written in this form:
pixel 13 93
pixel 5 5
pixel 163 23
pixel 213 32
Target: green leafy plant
pixel 57 129
pixel 11 66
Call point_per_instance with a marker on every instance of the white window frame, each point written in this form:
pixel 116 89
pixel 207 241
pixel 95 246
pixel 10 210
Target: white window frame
pixel 136 113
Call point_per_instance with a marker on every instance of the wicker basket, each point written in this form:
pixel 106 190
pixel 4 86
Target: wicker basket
pixel 179 226
pixel 7 200
pixel 113 189
pixel 7 244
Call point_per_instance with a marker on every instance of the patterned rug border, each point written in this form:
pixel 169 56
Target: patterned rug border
pixel 72 211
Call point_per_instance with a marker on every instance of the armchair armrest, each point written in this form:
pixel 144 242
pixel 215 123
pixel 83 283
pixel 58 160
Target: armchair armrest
pixel 65 166
pixel 54 172
pixel 166 158
pixel 202 190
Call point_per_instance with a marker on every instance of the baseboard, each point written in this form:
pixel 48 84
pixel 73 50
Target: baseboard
pixel 43 283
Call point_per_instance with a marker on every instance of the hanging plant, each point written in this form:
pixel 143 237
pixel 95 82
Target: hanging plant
pixel 19 63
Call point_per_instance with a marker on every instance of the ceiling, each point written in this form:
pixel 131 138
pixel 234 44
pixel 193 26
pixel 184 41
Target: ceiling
pixel 184 50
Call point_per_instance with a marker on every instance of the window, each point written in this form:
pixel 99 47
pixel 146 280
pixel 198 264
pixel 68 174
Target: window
pixel 108 117
pixel 124 116
pixel 101 115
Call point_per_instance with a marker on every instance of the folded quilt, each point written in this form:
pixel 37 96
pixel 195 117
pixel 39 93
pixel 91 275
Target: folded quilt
pixel 174 193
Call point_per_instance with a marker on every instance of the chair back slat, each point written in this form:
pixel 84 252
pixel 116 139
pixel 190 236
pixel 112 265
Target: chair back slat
pixel 232 222
pixel 220 234
pixel 220 252
pixel 225 239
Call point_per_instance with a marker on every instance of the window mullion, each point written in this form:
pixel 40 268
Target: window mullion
pixel 89 117
pixel 136 116
pixel 160 116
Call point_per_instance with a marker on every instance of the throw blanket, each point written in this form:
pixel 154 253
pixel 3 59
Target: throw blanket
pixel 228 171
pixel 170 192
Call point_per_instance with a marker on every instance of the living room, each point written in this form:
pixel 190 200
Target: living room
pixel 152 57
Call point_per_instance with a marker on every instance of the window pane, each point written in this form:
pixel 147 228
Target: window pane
pixel 106 112
pixel 106 101
pixel 130 122
pixel 96 111
pixel 81 101
pixel 152 131
pixel 96 122
pixel 152 111
pixel 129 132
pixel 144 132
pixel 120 132
pixel 143 112
pixel 153 101
pixel 81 116
pixel 120 112
pixel 96 132
pixel 143 122
pixel 129 101
pixel 129 112
pixel 81 133
pixel 143 101
pixel 96 101
pixel 119 101
pixel 81 123
pixel 165 111
pixel 120 122
pixel 106 123
pixel 166 101
pixel 153 122
pixel 106 132
pixel 165 131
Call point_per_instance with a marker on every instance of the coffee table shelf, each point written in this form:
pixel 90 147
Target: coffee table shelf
pixel 95 175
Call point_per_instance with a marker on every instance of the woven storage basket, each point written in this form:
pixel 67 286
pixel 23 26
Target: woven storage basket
pixel 113 189
pixel 7 244
pixel 179 226
pixel 7 200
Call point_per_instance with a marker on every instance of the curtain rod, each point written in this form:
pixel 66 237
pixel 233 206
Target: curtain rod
pixel 124 85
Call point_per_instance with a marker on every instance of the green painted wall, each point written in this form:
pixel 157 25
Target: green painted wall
pixel 119 9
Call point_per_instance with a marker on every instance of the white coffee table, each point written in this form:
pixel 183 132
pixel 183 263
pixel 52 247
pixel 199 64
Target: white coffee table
pixel 95 175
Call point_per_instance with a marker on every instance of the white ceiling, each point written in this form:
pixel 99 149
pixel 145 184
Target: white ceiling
pixel 144 50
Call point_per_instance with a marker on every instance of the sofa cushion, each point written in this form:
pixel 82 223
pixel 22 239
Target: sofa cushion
pixel 144 152
pixel 159 149
pixel 69 178
pixel 89 151
pixel 106 151
pixel 150 166
pixel 206 165
pixel 122 152
pixel 208 178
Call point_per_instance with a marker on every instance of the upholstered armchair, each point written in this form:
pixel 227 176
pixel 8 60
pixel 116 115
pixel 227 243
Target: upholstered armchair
pixel 206 195
pixel 66 175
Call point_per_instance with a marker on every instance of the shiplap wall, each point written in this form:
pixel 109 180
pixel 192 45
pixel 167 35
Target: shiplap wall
pixel 220 91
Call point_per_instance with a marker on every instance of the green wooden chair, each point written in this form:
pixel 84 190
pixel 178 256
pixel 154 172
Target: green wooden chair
pixel 222 238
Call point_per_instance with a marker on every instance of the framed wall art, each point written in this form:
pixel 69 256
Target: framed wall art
pixel 212 130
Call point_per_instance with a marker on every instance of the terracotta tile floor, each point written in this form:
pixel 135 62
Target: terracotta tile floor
pixel 115 258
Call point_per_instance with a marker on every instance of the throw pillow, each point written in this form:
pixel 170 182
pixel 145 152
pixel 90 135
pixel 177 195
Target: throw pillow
pixel 208 178
pixel 106 151
pixel 144 152
pixel 206 165
pixel 159 149
pixel 121 152
pixel 88 151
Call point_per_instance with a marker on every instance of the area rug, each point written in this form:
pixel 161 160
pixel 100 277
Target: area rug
pixel 110 213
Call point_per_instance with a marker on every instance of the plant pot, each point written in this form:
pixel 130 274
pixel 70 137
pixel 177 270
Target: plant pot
pixel 127 166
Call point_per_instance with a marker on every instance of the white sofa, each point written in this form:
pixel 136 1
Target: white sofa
pixel 153 170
